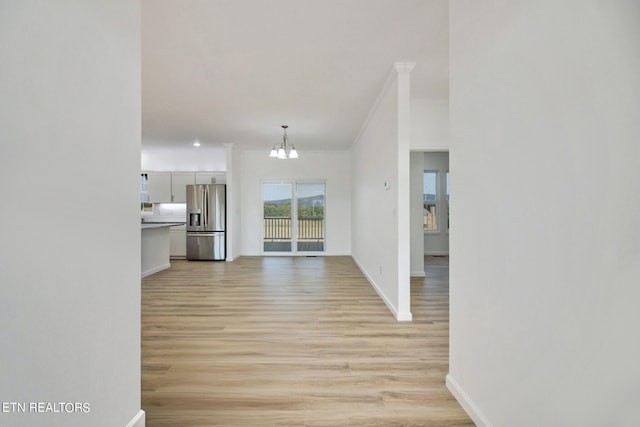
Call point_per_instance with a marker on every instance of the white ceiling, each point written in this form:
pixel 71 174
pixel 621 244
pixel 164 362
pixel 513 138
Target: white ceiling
pixel 233 71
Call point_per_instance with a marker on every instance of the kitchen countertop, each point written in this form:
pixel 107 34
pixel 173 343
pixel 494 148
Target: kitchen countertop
pixel 149 225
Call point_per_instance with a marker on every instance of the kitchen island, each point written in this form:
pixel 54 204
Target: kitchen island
pixel 154 250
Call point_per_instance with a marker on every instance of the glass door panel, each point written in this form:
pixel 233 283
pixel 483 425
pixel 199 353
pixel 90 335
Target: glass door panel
pixel 277 217
pixel 310 217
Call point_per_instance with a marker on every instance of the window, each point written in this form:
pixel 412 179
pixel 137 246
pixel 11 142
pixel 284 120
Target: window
pixel 435 200
pixel 430 201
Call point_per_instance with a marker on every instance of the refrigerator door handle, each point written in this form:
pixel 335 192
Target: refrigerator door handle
pixel 205 206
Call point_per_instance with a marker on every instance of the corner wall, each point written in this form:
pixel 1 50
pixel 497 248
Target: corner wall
pixel 545 100
pixel 234 200
pixel 416 215
pixel 374 220
pixel 70 231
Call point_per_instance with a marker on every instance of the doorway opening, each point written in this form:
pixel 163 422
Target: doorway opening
pixel 429 207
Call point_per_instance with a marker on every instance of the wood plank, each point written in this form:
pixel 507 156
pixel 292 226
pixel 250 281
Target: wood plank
pixel 290 341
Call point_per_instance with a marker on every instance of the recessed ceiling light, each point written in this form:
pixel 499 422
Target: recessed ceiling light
pixel 196 143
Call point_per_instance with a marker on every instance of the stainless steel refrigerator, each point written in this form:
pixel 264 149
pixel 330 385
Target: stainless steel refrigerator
pixel 206 222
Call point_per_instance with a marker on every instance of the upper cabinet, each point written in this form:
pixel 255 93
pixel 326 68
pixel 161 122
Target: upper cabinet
pixel 171 187
pixel 159 186
pixel 179 182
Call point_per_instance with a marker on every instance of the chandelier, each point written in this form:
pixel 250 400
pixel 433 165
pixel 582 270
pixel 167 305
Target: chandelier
pixel 284 152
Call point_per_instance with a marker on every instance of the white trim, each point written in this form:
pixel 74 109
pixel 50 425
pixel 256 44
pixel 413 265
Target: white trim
pixel 155 270
pixel 401 316
pixel 138 420
pixel 404 316
pixel 436 253
pixel 418 274
pixel 431 149
pixel 403 192
pixel 299 254
pixel 467 404
pixel 381 294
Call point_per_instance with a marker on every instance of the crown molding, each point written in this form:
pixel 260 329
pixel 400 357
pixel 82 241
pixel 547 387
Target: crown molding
pixel 404 67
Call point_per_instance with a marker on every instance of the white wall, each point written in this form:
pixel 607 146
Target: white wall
pixel 234 202
pixel 381 203
pixel 545 100
pixel 429 124
pixel 69 267
pixel 374 221
pixel 189 158
pixel 437 243
pixel 417 229
pixel 333 167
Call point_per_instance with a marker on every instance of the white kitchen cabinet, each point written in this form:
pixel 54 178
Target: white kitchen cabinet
pixel 211 177
pixel 171 187
pixel 179 182
pixel 159 187
pixel 178 242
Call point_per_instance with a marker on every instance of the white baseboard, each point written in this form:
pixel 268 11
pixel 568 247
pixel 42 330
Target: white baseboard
pixel 418 274
pixel 401 316
pixel 382 296
pixel 138 420
pixel 467 404
pixel 155 270
pixel 404 316
pixel 291 254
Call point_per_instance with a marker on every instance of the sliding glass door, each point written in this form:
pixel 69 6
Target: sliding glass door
pixel 277 218
pixel 310 217
pixel 293 217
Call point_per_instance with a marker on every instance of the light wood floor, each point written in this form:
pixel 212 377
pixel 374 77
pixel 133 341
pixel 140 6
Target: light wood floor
pixel 282 341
